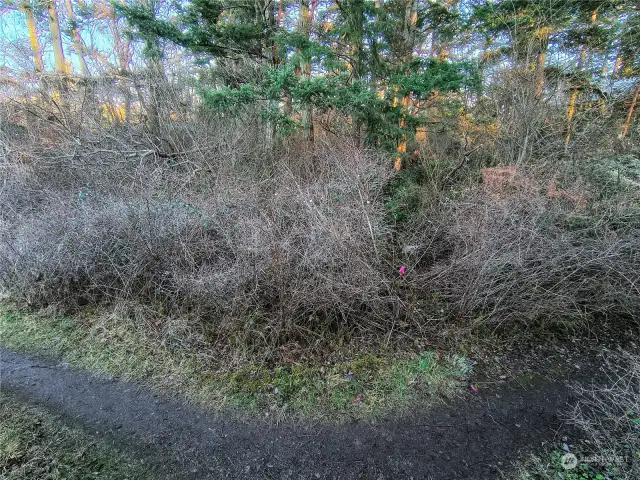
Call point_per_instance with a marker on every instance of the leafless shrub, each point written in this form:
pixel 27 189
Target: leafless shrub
pixel 274 243
pixel 525 257
pixel 521 127
pixel 608 415
pixel 280 246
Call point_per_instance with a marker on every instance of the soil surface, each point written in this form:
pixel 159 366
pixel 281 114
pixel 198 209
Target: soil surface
pixel 477 436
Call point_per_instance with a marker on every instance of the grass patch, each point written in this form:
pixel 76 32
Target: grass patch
pixel 360 386
pixel 35 444
pixel 367 384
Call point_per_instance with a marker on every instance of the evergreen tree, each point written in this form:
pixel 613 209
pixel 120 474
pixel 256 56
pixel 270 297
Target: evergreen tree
pixel 364 61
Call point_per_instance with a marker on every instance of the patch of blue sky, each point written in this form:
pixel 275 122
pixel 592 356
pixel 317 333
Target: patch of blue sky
pixel 14 42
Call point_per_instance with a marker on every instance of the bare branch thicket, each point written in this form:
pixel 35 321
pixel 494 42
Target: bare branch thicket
pixel 608 414
pixel 276 243
pixel 224 230
pixel 526 257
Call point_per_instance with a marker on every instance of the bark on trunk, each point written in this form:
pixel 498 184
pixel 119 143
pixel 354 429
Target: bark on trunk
pixel 627 122
pixel 304 27
pixel 411 17
pixel 27 9
pixel 543 36
pixel 56 38
pixel 571 108
pixel 77 40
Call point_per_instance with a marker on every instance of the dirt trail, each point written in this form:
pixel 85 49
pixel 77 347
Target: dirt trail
pixel 473 438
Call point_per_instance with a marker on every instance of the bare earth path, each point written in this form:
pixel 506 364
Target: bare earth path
pixel 472 438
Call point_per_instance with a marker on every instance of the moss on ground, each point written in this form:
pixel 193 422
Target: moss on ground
pixel 37 445
pixel 361 386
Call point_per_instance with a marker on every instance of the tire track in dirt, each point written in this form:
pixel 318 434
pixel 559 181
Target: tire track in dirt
pixel 472 438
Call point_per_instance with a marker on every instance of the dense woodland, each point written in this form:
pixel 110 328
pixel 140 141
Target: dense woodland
pixel 278 176
pixel 394 71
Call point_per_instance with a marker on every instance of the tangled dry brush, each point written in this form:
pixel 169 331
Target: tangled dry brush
pixel 281 244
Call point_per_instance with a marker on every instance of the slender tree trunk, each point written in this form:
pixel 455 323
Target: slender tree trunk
pixel 123 54
pixel 158 83
pixel 543 36
pixel 56 38
pixel 287 107
pixel 27 9
pixel 616 66
pixel 61 83
pixel 304 27
pixel 411 17
pixel 605 67
pixel 272 52
pixel 77 40
pixel 443 47
pixel 157 93
pixel 121 42
pixel 380 81
pixel 274 24
pixel 627 122
pixel 571 108
pixel 402 146
pixel 353 13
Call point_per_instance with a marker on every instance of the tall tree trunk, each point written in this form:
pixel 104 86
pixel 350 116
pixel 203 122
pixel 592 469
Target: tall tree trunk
pixel 157 93
pixel 287 108
pixel 61 83
pixel 402 146
pixel 443 47
pixel 56 38
pixel 27 9
pixel 380 82
pixel 409 34
pixel 121 41
pixel 271 53
pixel 273 25
pixel 627 122
pixel 353 13
pixel 158 83
pixel 617 64
pixel 304 27
pixel 542 37
pixel 571 108
pixel 123 53
pixel 77 40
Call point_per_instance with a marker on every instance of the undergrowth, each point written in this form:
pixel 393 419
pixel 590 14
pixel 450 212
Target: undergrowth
pixel 280 264
pixel 351 385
